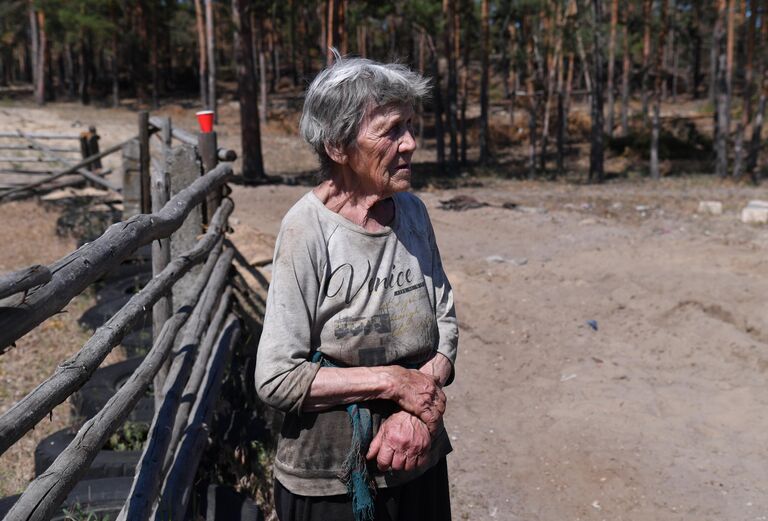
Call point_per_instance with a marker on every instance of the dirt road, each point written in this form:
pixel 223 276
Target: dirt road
pixel 657 413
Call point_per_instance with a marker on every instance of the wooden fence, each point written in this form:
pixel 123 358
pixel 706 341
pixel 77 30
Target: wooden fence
pixel 179 202
pixel 51 162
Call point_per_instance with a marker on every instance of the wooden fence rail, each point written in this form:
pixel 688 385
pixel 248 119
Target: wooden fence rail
pixel 149 470
pixel 178 484
pixel 72 374
pixel 48 490
pixel 73 273
pixel 23 280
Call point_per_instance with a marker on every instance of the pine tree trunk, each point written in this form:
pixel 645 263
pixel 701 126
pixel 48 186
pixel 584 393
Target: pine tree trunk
pixel 646 56
pixel 757 130
pixel 597 145
pixel 552 60
pixel 748 15
pixel 34 44
pixel 694 36
pixel 113 62
pixel 263 85
pixel 84 85
pixel 759 114
pixel 584 66
pixel 672 52
pixel 292 40
pixel 625 71
pixel 250 132
pixel 448 13
pixel 437 102
pixel 154 63
pixel 657 94
pixel 485 153
pixel 723 105
pixel 329 31
pixel 42 58
pixel 211 49
pixel 463 104
pixel 202 54
pixel 532 110
pixel 611 65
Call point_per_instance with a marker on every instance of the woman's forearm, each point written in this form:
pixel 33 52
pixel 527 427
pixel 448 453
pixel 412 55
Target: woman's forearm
pixel 341 386
pixel 413 391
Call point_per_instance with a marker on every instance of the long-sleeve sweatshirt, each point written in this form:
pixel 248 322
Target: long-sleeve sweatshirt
pixel 362 299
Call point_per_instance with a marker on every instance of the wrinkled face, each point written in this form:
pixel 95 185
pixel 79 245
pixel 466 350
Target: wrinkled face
pixel 381 154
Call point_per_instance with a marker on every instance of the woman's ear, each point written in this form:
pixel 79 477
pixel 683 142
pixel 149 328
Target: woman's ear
pixel 336 153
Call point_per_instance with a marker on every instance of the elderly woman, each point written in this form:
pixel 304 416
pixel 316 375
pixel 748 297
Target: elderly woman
pixel 360 332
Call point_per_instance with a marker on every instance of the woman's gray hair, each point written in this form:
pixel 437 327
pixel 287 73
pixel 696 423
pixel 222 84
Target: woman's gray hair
pixel 339 97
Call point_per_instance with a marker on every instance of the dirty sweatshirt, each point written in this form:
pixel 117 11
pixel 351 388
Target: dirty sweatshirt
pixel 362 299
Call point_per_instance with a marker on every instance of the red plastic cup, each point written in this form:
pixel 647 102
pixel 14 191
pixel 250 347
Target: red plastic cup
pixel 205 120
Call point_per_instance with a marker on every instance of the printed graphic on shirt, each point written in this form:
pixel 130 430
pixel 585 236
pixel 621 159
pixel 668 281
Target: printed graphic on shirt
pixel 362 326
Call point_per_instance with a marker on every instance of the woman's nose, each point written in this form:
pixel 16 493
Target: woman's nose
pixel 407 141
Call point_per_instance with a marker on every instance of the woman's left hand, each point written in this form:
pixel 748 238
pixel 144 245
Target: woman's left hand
pixel 402 443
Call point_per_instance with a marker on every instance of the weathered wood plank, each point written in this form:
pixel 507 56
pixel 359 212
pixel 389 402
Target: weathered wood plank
pixel 148 479
pixel 29 159
pixel 14 146
pixel 161 251
pixel 44 495
pixel 146 196
pixel 22 280
pixel 72 374
pixel 60 183
pixel 178 485
pixel 196 376
pixel 131 179
pixel 43 135
pixel 73 273
pixel 183 170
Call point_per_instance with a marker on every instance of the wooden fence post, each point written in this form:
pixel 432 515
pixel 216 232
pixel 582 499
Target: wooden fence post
pixel 93 148
pixel 183 170
pixel 131 179
pixel 161 254
pixel 208 149
pixel 146 199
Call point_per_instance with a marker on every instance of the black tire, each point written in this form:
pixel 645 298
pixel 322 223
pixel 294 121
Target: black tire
pixel 107 464
pixel 103 384
pixel 225 504
pixel 103 497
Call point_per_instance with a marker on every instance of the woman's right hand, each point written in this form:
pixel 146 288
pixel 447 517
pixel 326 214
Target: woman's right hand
pixel 419 394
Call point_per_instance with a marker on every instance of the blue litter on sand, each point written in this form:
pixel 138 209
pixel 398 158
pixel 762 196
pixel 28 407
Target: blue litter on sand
pixel 592 324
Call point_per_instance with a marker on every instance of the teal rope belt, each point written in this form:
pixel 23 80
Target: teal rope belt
pixel 355 471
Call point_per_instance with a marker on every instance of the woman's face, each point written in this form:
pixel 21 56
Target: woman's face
pixel 381 154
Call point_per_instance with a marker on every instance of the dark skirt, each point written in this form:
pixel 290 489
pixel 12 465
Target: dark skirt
pixel 426 498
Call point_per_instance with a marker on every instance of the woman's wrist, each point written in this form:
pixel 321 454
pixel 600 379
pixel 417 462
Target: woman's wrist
pixel 389 381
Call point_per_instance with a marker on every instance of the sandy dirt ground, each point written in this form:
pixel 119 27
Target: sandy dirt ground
pixel 656 413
